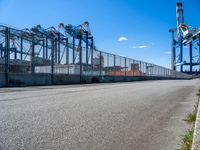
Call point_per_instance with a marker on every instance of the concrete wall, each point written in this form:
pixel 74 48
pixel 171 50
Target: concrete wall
pixel 66 79
pixel 2 80
pixel 29 79
pixel 41 79
pixel 47 79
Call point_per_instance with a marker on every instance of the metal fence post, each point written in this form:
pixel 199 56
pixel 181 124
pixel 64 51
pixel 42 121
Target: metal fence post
pixel 21 48
pixel 86 48
pixel 15 53
pixel 80 57
pixel 199 49
pixel 191 68
pixel 92 49
pixel 58 52
pixel 100 64
pixel 73 50
pixel 43 49
pixel 1 50
pixel 67 55
pixel 125 68
pixel 33 55
pixel 181 53
pixel 46 46
pixel 55 51
pixel 108 64
pixel 7 55
pixel 114 66
pixel 52 60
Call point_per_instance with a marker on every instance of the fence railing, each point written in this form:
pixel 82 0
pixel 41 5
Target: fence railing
pixel 23 51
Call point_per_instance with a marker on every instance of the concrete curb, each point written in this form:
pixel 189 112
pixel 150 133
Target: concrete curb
pixel 196 135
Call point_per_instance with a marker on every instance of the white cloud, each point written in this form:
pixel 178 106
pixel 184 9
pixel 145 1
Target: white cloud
pixel 168 52
pixel 122 39
pixel 140 47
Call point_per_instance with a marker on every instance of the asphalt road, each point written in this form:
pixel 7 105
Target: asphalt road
pixel 121 116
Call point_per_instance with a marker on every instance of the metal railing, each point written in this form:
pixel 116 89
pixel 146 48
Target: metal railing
pixel 23 51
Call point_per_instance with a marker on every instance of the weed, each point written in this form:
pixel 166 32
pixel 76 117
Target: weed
pixel 190 118
pixel 187 140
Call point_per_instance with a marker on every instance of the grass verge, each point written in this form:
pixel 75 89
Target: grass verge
pixel 187 138
pixel 191 118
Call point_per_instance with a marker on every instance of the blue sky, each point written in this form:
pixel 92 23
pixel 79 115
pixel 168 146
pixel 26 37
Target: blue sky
pixel 142 25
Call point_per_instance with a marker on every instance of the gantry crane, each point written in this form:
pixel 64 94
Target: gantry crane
pixel 37 43
pixel 81 32
pixel 186 37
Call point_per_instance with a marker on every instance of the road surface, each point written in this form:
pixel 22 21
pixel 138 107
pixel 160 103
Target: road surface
pixel 119 116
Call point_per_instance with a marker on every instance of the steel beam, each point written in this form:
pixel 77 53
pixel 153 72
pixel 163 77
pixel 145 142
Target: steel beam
pixel 173 59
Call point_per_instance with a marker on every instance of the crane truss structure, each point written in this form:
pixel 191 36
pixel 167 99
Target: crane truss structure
pixel 185 46
pixel 43 47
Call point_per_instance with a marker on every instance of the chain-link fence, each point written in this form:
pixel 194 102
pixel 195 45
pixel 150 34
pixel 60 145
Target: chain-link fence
pixel 28 52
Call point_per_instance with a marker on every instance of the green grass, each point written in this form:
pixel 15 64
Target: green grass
pixel 190 118
pixel 187 140
pixel 198 94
